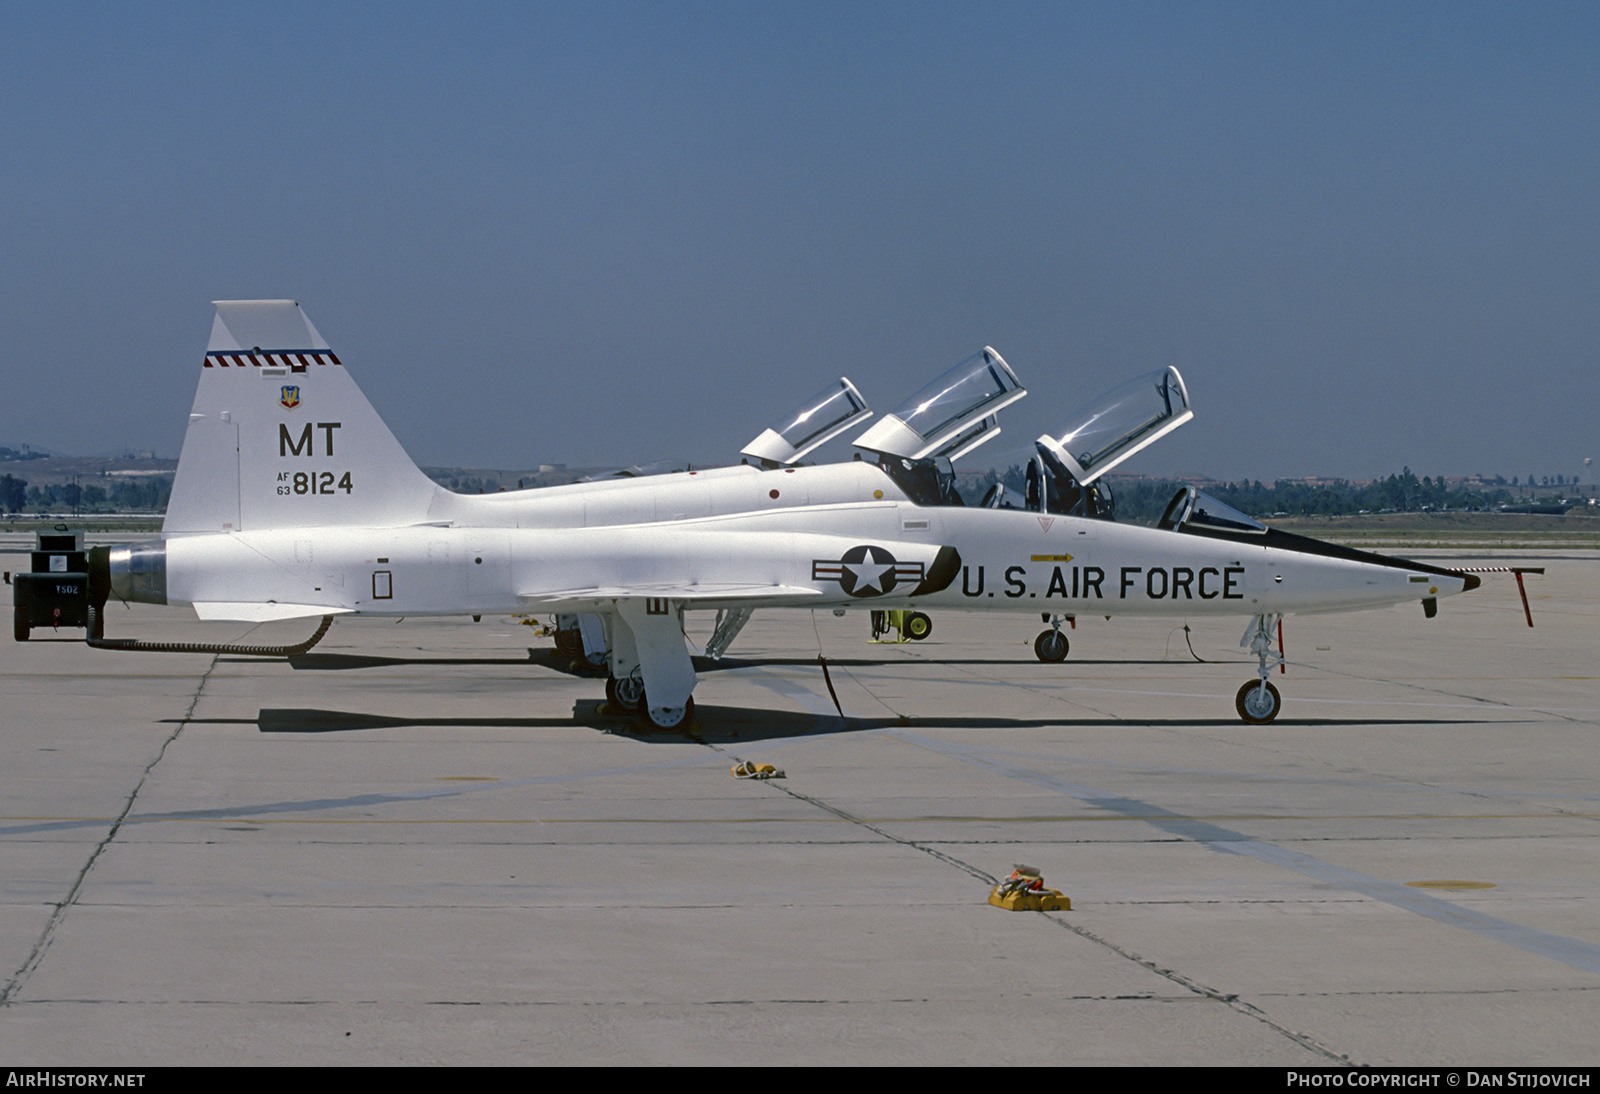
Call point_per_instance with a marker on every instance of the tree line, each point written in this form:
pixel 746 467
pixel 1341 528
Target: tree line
pixel 1144 500
pixel 1140 501
pixel 142 494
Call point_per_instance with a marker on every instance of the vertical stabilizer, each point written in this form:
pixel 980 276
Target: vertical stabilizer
pixel 281 437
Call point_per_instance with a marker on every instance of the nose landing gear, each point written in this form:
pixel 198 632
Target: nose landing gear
pixel 1258 702
pixel 1051 645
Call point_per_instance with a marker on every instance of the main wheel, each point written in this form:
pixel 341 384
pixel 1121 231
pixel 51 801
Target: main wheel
pixel 918 626
pixel 19 624
pixel 1258 704
pixel 1050 646
pixel 662 718
pixel 626 694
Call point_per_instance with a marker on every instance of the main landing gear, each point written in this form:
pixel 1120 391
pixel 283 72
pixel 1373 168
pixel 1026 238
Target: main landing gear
pixel 1051 645
pixel 651 675
pixel 1258 702
pixel 582 638
pixel 626 694
pixel 667 717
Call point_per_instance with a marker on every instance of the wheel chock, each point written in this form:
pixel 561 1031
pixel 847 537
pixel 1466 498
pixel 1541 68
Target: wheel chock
pixel 749 769
pixel 1024 891
pixel 1042 900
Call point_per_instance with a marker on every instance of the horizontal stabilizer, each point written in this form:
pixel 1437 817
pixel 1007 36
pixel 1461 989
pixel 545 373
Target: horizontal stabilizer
pixel 261 613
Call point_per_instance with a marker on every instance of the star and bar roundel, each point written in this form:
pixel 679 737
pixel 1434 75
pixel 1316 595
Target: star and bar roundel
pixel 867 571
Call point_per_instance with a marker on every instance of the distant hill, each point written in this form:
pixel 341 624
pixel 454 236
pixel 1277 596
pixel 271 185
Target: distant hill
pixel 59 470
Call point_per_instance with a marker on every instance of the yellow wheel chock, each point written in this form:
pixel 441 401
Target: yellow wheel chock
pixel 1024 891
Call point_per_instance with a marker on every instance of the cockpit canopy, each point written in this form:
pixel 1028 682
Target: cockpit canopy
pixel 817 421
pixel 1062 476
pixel 1190 508
pixel 950 416
pixel 1117 424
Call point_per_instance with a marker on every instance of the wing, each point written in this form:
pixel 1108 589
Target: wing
pixel 698 595
pixel 589 569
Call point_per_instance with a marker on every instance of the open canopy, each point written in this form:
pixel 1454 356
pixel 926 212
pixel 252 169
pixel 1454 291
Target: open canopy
pixel 815 422
pixel 948 417
pixel 1119 423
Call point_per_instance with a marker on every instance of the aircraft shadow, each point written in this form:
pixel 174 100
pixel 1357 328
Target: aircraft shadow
pixel 550 659
pixel 728 724
pixel 312 720
pixel 338 662
pixel 705 664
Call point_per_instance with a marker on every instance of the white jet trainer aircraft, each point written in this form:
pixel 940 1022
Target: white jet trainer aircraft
pixel 292 499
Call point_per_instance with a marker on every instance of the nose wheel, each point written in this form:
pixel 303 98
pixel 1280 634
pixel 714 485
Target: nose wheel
pixel 1050 646
pixel 1258 702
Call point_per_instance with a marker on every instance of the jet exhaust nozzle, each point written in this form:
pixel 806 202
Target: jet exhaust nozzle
pixel 136 572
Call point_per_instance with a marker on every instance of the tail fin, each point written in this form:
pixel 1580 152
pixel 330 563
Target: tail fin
pixel 281 437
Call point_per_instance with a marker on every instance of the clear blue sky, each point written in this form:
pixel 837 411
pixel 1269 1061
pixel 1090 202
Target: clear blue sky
pixel 608 233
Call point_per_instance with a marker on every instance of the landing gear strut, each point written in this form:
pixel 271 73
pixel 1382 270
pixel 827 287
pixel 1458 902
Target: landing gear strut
pixel 1258 702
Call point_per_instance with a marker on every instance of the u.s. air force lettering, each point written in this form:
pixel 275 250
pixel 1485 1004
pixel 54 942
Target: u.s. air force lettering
pixel 866 571
pixel 1133 582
